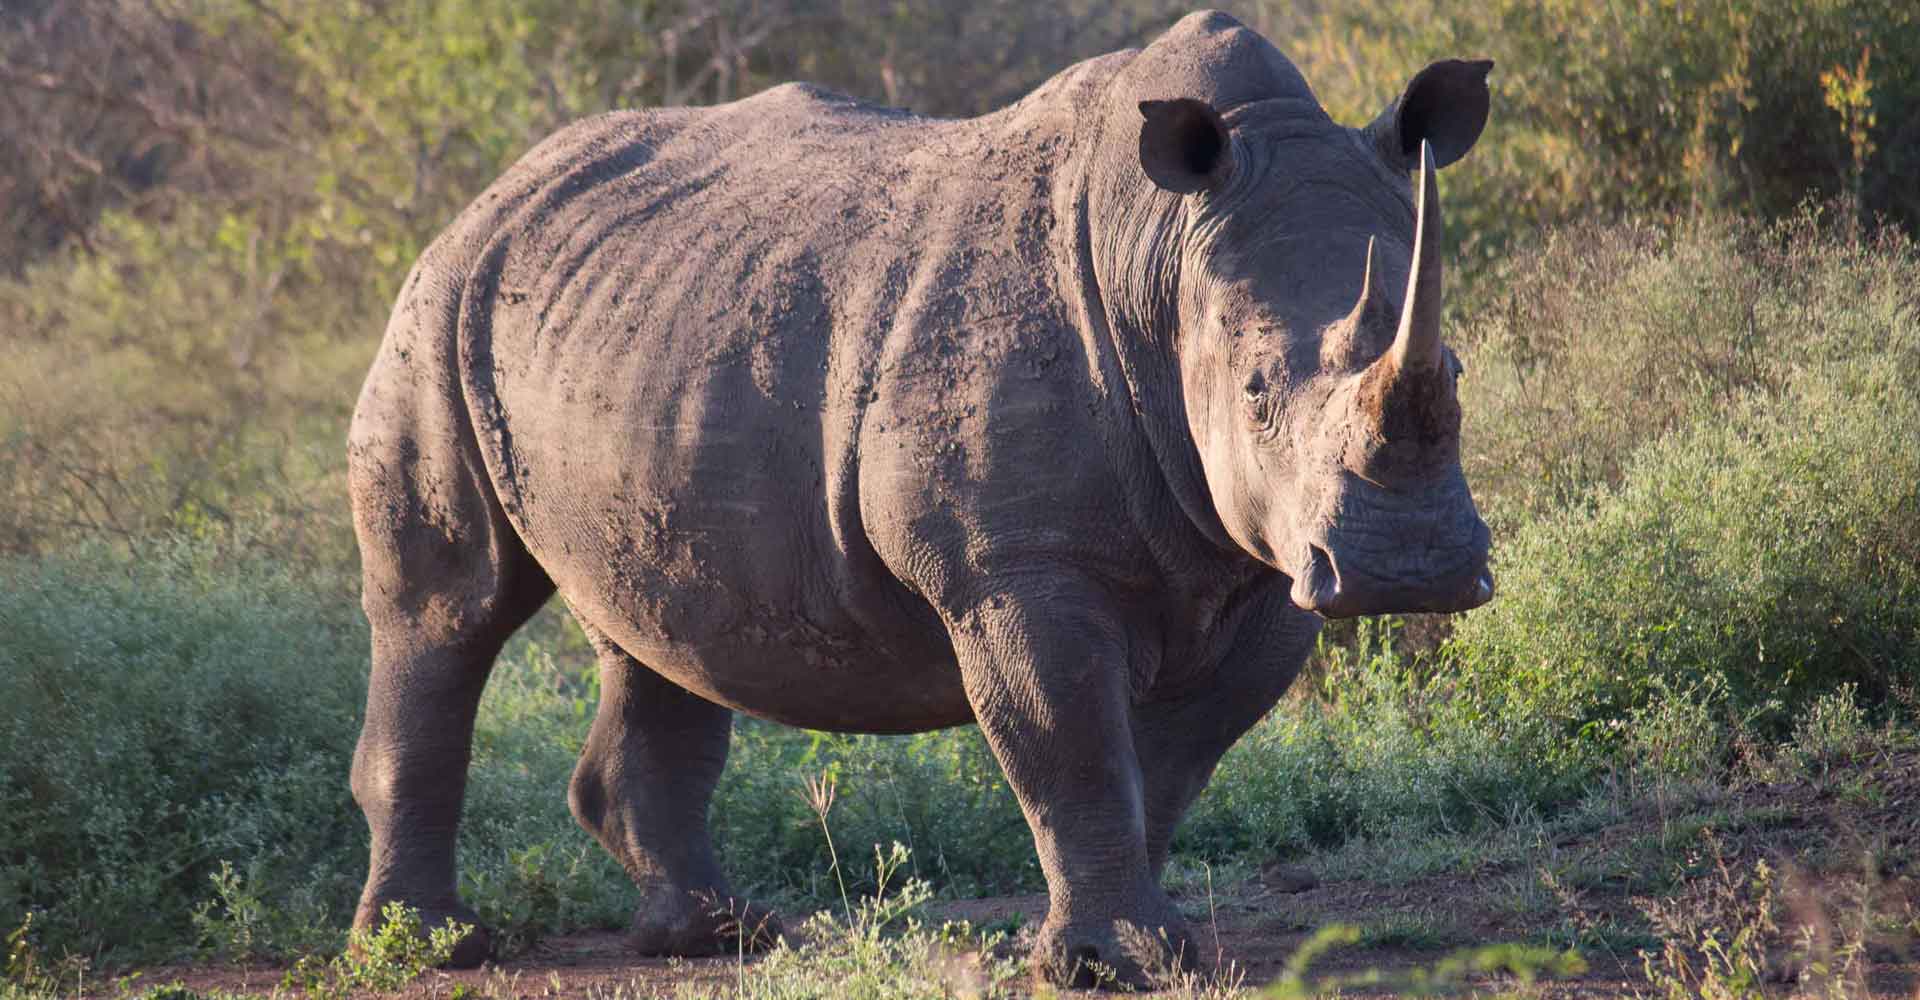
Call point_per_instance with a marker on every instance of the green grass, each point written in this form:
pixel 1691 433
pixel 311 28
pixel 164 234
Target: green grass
pixel 161 717
pixel 1411 932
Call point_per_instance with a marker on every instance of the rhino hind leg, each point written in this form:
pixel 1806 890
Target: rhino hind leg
pixel 432 653
pixel 643 788
pixel 410 777
pixel 446 581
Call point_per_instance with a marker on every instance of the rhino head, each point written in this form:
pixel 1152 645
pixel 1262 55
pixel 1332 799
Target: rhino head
pixel 1318 393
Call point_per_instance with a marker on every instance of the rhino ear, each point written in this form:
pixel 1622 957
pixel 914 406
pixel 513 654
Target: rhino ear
pixel 1444 105
pixel 1184 145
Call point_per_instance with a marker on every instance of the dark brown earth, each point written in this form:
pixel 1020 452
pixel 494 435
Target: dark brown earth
pixel 1251 929
pixel 1256 933
pixel 1843 842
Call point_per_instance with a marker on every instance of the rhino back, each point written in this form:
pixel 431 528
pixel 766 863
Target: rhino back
pixel 703 351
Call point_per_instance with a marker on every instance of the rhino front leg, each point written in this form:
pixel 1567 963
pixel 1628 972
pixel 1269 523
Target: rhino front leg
pixel 1180 740
pixel 643 788
pixel 1045 670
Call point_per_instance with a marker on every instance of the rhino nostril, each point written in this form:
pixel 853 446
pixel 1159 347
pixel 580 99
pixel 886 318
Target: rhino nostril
pixel 1316 584
pixel 1325 576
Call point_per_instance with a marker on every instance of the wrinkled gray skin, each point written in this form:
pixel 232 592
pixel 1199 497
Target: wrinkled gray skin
pixel 1071 420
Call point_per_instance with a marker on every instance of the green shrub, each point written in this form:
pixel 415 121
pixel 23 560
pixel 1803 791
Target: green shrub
pixel 881 948
pixel 378 960
pixel 1381 745
pixel 1772 551
pixel 1645 108
pixel 1610 337
pixel 160 717
pixel 179 728
pixel 1831 731
pixel 1682 734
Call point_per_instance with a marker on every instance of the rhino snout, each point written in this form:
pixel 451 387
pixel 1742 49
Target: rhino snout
pixel 1336 586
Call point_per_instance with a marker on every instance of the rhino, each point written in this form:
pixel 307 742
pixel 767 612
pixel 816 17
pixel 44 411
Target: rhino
pixel 1073 421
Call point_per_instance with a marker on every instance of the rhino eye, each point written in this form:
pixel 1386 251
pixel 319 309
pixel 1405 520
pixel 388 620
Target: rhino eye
pixel 1259 400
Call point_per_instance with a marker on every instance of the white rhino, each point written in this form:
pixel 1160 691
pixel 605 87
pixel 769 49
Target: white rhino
pixel 1070 421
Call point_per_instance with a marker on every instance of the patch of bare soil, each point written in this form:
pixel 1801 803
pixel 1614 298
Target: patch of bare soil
pixel 587 964
pixel 1252 936
pixel 1250 933
pixel 1848 841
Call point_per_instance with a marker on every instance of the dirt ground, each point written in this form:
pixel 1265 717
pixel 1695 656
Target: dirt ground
pixel 1843 847
pixel 1252 932
pixel 1255 936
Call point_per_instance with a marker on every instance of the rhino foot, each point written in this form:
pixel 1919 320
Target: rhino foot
pixel 699 922
pixel 1116 953
pixel 473 949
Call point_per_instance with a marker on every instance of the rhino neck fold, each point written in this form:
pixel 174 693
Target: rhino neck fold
pixel 1124 267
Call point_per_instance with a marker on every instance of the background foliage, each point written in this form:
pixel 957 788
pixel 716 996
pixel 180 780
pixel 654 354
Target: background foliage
pixel 1691 407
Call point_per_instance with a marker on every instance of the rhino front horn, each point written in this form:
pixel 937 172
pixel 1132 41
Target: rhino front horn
pixel 1416 347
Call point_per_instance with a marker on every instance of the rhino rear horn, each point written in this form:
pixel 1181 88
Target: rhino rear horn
pixel 1370 298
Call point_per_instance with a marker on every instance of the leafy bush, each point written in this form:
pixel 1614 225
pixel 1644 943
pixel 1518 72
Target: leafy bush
pixel 1771 551
pixel 380 960
pixel 1696 448
pixel 883 948
pixel 160 717
pixel 1647 108
pixel 1381 745
pixel 1610 337
pixel 179 729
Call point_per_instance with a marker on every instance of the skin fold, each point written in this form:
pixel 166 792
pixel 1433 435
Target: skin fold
pixel 1070 421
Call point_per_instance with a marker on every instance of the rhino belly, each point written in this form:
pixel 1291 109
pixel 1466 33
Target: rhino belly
pixel 680 503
